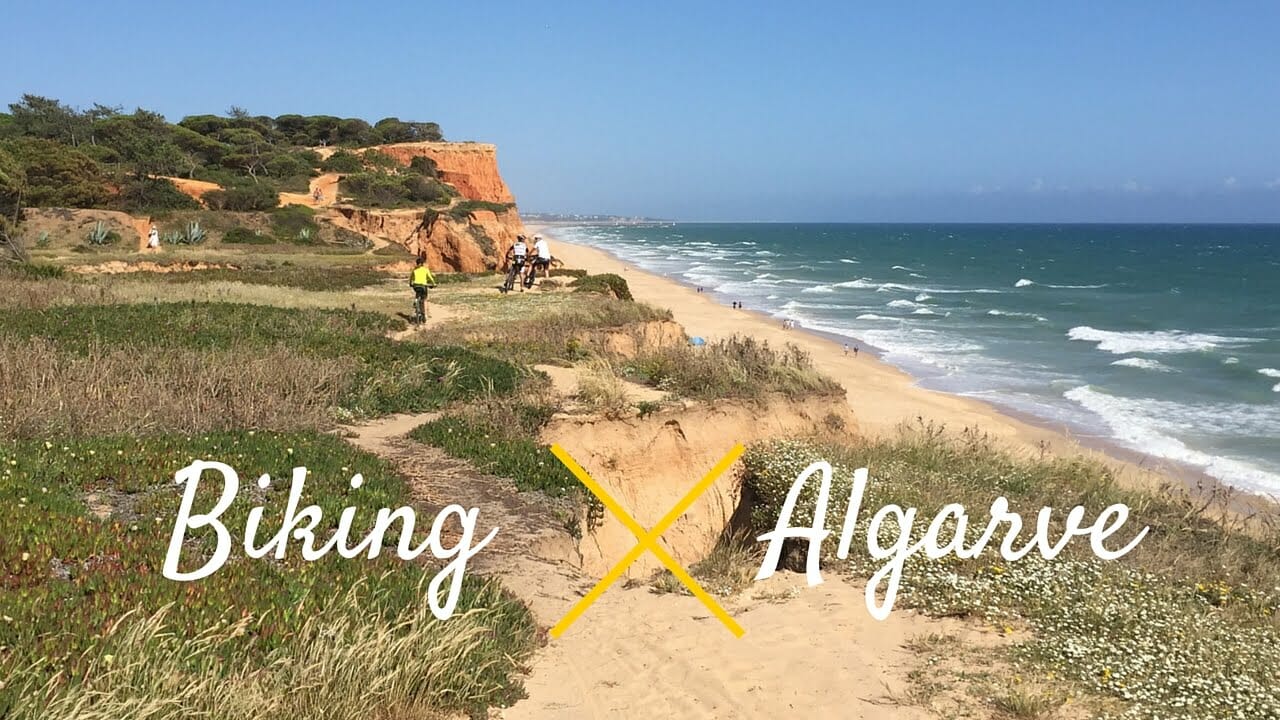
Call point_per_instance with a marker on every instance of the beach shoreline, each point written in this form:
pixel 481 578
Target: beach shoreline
pixel 882 396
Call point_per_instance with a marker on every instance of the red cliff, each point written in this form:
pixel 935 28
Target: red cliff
pixel 472 168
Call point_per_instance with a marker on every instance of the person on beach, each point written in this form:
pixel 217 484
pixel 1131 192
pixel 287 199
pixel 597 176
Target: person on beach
pixel 153 238
pixel 846 349
pixel 855 351
pixel 420 279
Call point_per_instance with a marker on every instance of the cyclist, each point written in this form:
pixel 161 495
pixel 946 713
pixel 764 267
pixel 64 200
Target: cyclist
pixel 516 257
pixel 421 279
pixel 541 260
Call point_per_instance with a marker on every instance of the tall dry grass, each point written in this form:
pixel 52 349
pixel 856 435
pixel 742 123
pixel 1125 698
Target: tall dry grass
pixel 739 366
pixel 349 660
pixel 601 390
pixel 113 390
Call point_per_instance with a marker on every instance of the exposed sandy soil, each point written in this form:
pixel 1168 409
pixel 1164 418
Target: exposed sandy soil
pixel 327 184
pixel 807 652
pixel 193 188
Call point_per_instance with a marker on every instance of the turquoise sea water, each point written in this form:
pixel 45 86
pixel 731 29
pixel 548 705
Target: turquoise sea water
pixel 1164 339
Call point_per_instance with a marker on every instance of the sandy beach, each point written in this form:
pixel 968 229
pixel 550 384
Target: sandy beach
pixel 881 396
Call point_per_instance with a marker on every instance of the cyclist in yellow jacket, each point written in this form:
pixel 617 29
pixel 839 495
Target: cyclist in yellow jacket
pixel 420 279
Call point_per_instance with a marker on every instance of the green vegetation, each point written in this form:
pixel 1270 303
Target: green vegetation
pixel 1198 641
pixel 244 197
pixel 86 537
pixel 605 283
pixel 740 367
pixel 343 161
pixel 391 189
pixel 70 157
pixel 463 210
pixel 498 438
pixel 295 223
pixel 252 366
pixel 540 327
pixel 287 276
pixel 245 236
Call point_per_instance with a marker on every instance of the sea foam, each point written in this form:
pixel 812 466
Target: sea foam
pixel 1143 364
pixel 1144 425
pixel 1153 341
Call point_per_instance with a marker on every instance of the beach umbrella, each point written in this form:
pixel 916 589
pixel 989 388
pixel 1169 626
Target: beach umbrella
pixel 697 341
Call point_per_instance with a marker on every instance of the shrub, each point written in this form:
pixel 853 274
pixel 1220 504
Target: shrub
pixel 605 283
pixel 294 223
pixel 381 160
pixel 99 235
pixel 373 189
pixel 464 209
pixel 58 175
pixel 424 166
pixel 740 366
pixel 342 161
pixel 288 165
pixel 425 190
pixel 154 196
pixel 245 236
pixel 247 197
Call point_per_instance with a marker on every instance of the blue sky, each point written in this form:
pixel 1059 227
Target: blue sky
pixel 980 111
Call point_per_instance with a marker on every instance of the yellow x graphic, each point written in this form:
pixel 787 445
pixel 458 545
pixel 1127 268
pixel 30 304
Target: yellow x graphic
pixel 647 540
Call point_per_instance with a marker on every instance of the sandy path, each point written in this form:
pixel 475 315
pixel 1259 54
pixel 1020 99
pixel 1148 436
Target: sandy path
pixel 882 397
pixel 807 652
pixel 327 184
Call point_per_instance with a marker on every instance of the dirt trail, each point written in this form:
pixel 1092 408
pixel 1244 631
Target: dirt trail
pixel 326 184
pixel 143 226
pixel 808 652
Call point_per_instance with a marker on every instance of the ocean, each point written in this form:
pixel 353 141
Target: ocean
pixel 1164 339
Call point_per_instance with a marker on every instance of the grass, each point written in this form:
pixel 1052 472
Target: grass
pixel 92 630
pixel 129 365
pixel 499 437
pixel 288 276
pixel 737 367
pixel 604 284
pixel 1183 627
pixel 537 327
pixel 601 390
pixel 727 570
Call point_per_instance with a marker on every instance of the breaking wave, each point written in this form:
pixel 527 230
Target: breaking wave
pixel 1153 341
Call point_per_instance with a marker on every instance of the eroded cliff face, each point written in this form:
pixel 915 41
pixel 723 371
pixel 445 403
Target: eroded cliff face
pixel 472 168
pixel 475 243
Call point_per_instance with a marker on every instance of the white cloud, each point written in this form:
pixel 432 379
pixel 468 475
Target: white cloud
pixel 1036 185
pixel 1272 184
pixel 1230 183
pixel 977 189
pixel 1131 186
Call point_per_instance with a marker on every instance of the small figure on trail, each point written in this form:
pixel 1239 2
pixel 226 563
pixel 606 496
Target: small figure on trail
pixel 420 279
pixel 153 238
